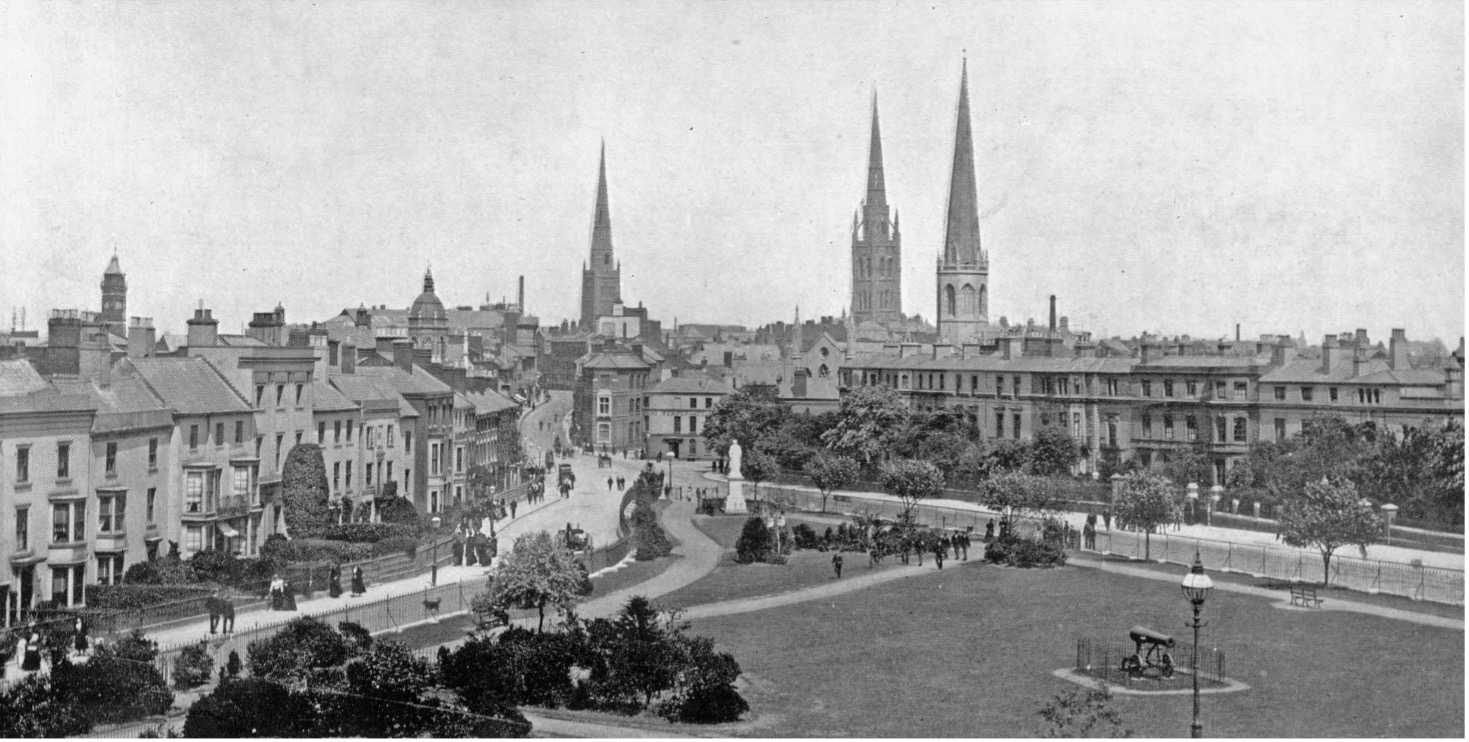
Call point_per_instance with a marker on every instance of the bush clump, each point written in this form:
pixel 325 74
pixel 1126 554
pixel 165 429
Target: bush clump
pixel 1022 552
pixel 649 537
pixel 193 668
pixel 304 491
pixel 754 543
pixel 359 533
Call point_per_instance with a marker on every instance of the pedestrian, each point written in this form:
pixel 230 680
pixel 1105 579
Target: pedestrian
pixel 1088 536
pixel 359 585
pixel 667 491
pixel 212 604
pixel 964 544
pixel 81 637
pixel 277 593
pixel 1107 519
pixel 334 577
pixel 954 542
pixel 290 597
pixel 227 612
pixel 989 531
pixel 939 550
pixel 31 650
pixel 836 564
pixel 512 508
pixel 609 484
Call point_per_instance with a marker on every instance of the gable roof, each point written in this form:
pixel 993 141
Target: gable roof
pixel 695 384
pixel 188 385
pixel 19 377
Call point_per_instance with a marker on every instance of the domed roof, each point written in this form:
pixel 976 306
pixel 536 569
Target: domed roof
pixel 427 307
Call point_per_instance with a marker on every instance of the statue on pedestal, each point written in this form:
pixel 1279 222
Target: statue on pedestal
pixel 734 501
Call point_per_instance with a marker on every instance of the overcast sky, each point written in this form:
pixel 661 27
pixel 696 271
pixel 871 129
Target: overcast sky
pixel 1175 167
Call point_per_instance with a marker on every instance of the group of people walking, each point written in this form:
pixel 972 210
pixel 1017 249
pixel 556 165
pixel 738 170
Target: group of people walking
pixel 32 642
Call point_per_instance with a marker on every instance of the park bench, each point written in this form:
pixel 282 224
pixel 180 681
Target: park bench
pixel 1304 596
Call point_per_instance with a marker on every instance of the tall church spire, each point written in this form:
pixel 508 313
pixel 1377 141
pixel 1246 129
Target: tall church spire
pixel 602 219
pixel 602 276
pixel 876 190
pixel 961 233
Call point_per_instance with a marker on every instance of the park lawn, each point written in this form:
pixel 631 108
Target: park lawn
pixel 1398 602
pixel 632 574
pixel 970 652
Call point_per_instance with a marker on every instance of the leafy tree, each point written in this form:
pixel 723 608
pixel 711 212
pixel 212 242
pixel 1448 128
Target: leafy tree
pixel 1015 495
pixel 305 650
pixel 1053 452
pixel 829 472
pixel 400 510
pixel 911 480
pixel 386 684
pixel 1190 465
pixel 649 537
pixel 304 491
pixel 480 481
pixel 193 667
pixel 536 573
pixel 1082 713
pixel 750 415
pixel 249 707
pixel 119 682
pixel 36 707
pixel 641 656
pixel 1326 516
pixel 1147 501
pixel 704 691
pixel 754 543
pixel 758 466
pixel 1007 456
pixel 1422 472
pixel 866 419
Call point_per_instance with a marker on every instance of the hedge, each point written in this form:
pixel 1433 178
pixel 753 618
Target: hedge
pixel 126 597
pixel 366 532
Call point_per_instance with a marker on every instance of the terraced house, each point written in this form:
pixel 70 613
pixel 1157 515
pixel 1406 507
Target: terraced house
pixel 1162 399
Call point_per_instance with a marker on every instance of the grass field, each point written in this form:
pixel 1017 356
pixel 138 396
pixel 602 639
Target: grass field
pixel 970 652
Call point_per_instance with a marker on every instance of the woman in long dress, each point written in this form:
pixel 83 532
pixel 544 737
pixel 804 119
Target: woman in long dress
pixel 359 586
pixel 334 581
pixel 81 636
pixel 277 593
pixel 32 659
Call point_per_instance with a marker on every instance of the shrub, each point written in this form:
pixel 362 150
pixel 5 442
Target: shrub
pixel 396 545
pixel 193 667
pixel 754 543
pixel 36 707
pixel 168 570
pixel 304 650
pixel 648 535
pixel 211 565
pixel 118 683
pixel 402 511
pixel 1020 552
pixel 125 597
pixel 304 491
pixel 805 537
pixel 321 550
pixel 248 707
pixel 367 532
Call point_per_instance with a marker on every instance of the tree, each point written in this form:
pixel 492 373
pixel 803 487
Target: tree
pixel 305 650
pixel 1326 516
pixel 36 707
pixel 400 510
pixel 536 573
pixel 1007 456
pixel 249 707
pixel 911 480
pixel 1190 465
pixel 866 418
pixel 750 415
pixel 829 472
pixel 1015 495
pixel 1079 713
pixel 1146 501
pixel 386 685
pixel 119 682
pixel 758 467
pixel 480 481
pixel 304 491
pixel 1422 472
pixel 1053 452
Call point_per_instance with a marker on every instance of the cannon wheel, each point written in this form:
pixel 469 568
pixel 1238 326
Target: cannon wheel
pixel 1132 665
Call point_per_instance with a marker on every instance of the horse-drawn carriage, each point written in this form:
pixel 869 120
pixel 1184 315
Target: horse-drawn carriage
pixel 1154 662
pixel 574 538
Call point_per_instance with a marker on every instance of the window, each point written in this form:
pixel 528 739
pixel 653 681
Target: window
pixel 321 433
pixel 367 475
pixel 1076 424
pixel 300 388
pixel 604 405
pixel 298 437
pixel 1279 430
pixel 280 442
pixel 1306 393
pixel 459 459
pixel 219 434
pixel 1147 426
pixel 1331 393
pixel 391 435
pixel 1147 388
pixel 1112 432
pixel 1220 390
pixel 1168 427
pixel 433 459
pixel 433 501
pixel 390 472
pixel 1280 394
pixel 193 539
pixel 111 459
pixel 259 441
pixel 1240 436
pixel 63 461
pixel 193 437
pixel 194 492
pixel 677 424
pixel 336 476
pixel 111 512
pixel 604 432
pixel 1168 388
pixel 1241 391
pixel 259 394
pixel 239 432
pixel 1000 424
pixel 693 424
pixel 1193 388
pixel 1015 421
pixel 337 431
pixel 152 454
pixel 59 591
pixel 1111 387
pixel 407 482
pixel 349 474
pixel 241 485
pixel 68 522
pixel 693 403
pixel 349 431
pixel 1015 385
pixel 109 569
pixel 280 395
pixel 1000 386
pixel 1221 429
pixel 1191 425
pixel 708 403
pixel 407 441
pixel 152 504
pixel 22 529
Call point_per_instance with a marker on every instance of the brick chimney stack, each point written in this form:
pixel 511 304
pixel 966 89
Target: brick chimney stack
pixel 1397 350
pixel 203 329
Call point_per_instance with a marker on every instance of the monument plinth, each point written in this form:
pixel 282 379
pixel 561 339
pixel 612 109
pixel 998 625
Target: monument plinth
pixel 734 500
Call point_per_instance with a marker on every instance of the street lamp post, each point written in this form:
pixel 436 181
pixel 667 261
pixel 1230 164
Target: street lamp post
pixel 434 558
pixel 1196 587
pixel 670 475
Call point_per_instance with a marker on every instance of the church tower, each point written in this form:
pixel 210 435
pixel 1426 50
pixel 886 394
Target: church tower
pixel 601 278
pixel 115 299
pixel 963 268
pixel 877 251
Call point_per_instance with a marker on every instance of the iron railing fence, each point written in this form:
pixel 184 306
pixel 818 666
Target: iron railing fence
pixel 1104 659
pixel 1263 561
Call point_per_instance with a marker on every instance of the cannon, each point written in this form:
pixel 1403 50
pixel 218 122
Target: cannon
pixel 1154 662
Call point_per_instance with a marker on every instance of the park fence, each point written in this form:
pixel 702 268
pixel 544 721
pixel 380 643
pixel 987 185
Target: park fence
pixel 1263 561
pixel 1103 659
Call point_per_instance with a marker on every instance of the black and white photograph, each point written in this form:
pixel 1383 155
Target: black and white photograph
pixel 762 369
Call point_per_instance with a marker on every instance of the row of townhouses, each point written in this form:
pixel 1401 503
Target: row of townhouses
pixel 113 447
